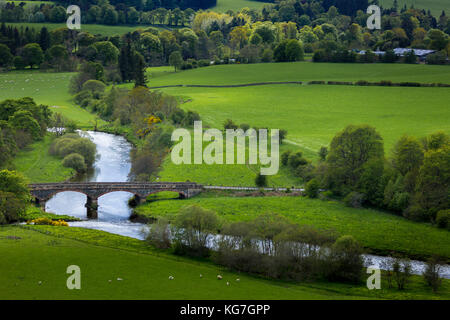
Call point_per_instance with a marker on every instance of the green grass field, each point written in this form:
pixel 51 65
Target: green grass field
pixel 369 227
pixel 436 6
pixel 51 89
pixel 237 5
pixel 37 165
pixel 312 114
pixel 35 263
pixel 91 28
pixel 301 71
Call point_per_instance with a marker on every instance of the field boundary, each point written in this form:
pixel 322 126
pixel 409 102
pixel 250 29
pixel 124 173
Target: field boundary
pixel 382 83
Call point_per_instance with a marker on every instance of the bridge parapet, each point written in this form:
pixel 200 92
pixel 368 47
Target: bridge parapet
pixel 93 190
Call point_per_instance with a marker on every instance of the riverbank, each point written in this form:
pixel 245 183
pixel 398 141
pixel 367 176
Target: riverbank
pixel 144 271
pixel 415 240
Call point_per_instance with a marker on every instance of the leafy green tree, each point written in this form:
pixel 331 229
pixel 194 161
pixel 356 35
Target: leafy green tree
pixel 176 60
pixel 32 54
pixel 351 152
pixel 407 155
pixel 14 195
pixel 434 182
pixel 261 180
pixel 6 57
pixel 23 120
pixel 107 52
pixel 75 161
pixel 312 188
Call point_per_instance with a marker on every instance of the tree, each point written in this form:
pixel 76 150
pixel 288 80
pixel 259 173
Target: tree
pixel 261 180
pixel 176 60
pixel 32 54
pixel 140 79
pixel 23 120
pixel 107 52
pixel 407 155
pixel 433 183
pixel 351 152
pixel 6 57
pixel 312 188
pixel 44 38
pixel 14 195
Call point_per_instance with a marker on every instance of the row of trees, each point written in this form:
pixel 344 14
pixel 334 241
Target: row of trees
pixel 414 181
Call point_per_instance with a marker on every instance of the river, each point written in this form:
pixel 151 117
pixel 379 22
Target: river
pixel 113 165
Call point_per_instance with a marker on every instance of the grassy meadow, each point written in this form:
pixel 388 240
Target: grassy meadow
pixel 51 89
pixel 38 258
pixel 312 114
pixel 368 226
pixel 237 5
pixel 435 6
pixel 38 166
pixel 101 29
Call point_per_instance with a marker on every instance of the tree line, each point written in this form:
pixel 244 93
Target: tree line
pixel 414 181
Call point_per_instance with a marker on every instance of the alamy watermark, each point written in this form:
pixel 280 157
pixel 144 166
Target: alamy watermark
pixel 74 20
pixel 374 20
pixel 235 146
pixel 374 280
pixel 74 280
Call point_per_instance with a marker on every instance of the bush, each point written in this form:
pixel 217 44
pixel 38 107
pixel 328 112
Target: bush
pixel 443 219
pixel 159 234
pixel 345 260
pixel 75 161
pixel 354 199
pixel 312 188
pixel 401 272
pixel 285 157
pixel 193 228
pixel 437 58
pixel 431 274
pixel 261 180
pixel 48 222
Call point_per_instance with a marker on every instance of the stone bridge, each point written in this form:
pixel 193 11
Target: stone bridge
pixel 43 192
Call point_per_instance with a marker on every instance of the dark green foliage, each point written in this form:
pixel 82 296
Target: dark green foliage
pixel 261 180
pixel 75 161
pixel 355 159
pixel 443 219
pixel 312 188
pixel 14 195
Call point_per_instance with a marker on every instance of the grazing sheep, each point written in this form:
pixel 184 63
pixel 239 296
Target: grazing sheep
pixel 238 279
pixel 219 277
pixel 170 278
pixel 201 276
pixel 119 279
pixel 228 283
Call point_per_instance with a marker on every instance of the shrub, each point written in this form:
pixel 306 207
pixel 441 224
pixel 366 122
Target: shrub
pixel 159 234
pixel 75 161
pixel 48 222
pixel 431 274
pixel 401 269
pixel 443 219
pixel 229 124
pixel 312 188
pixel 261 180
pixel 285 157
pixel 354 199
pixel 193 228
pixel 345 260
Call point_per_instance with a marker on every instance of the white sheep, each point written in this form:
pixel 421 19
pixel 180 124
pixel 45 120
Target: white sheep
pixel 201 276
pixel 238 279
pixel 228 283
pixel 219 277
pixel 170 278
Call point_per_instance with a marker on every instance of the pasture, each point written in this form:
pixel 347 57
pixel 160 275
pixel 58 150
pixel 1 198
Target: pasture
pixel 37 165
pixel 237 5
pixel 312 114
pixel 51 89
pixel 117 267
pixel 91 28
pixel 435 6
pixel 368 226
